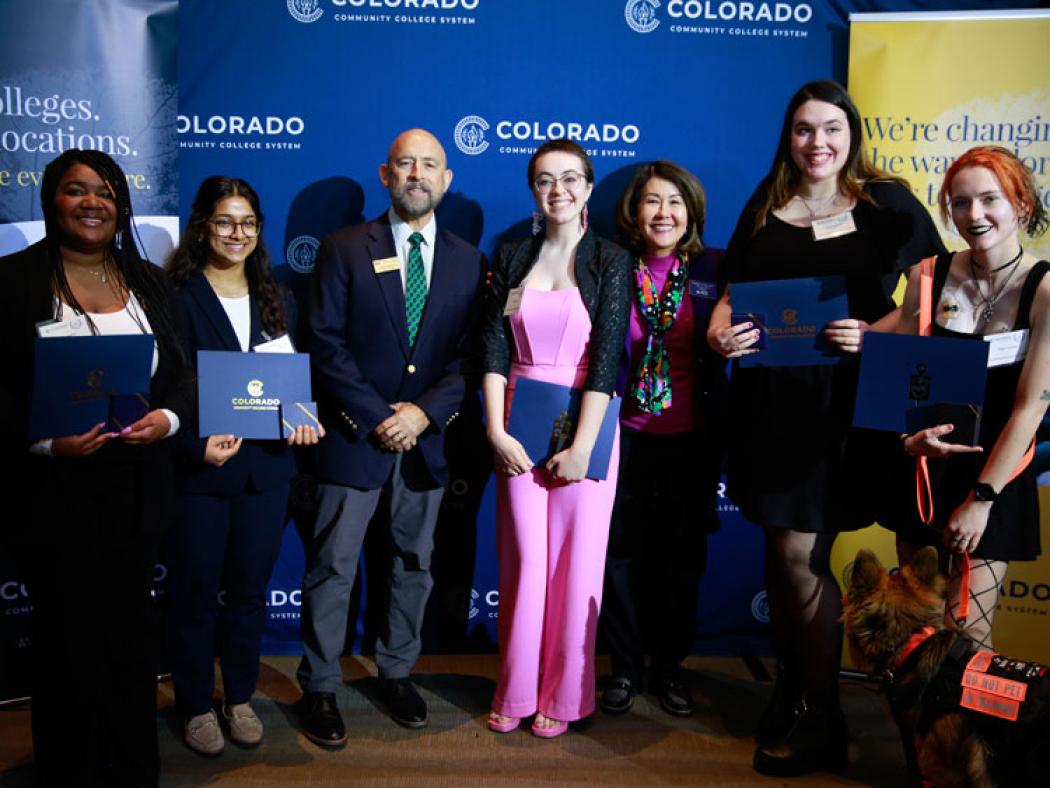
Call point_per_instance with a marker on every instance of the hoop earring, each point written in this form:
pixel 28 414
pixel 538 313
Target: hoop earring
pixel 537 222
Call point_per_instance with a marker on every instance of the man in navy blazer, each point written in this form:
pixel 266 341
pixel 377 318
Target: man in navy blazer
pixel 390 307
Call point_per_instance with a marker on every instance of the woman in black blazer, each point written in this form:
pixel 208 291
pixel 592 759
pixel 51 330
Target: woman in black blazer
pixel 96 505
pixel 233 494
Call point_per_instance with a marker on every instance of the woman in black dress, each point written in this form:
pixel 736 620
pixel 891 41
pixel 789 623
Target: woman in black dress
pixel 986 503
pixel 822 210
pixel 98 503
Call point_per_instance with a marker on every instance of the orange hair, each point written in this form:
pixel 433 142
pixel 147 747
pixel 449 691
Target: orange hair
pixel 1015 179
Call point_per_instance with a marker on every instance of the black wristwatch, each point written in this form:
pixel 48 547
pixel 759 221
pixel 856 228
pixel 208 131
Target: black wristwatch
pixel 983 491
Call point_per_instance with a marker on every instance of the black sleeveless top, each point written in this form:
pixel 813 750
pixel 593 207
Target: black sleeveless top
pixel 1012 533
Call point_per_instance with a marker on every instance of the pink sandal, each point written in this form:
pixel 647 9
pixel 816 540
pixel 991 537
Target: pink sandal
pixel 506 725
pixel 552 732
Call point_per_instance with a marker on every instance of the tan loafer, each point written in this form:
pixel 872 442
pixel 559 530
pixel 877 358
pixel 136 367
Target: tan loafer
pixel 245 726
pixel 203 735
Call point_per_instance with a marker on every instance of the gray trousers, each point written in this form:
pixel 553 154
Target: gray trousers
pixel 339 531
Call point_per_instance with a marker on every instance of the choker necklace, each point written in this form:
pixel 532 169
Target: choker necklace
pixel 993 296
pixel 1007 264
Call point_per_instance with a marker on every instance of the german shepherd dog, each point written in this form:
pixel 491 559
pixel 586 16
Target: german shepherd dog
pixel 967 717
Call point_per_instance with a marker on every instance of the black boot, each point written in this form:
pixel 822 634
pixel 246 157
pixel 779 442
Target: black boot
pixel 817 741
pixel 781 711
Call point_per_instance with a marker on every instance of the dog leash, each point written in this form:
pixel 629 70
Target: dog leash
pixel 923 488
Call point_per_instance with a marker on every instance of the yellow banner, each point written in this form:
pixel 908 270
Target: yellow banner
pixel 929 87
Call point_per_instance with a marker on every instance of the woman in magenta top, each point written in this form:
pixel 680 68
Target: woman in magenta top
pixel 658 536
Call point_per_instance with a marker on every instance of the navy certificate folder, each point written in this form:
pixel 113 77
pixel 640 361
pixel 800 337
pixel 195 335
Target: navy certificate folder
pixel 901 372
pixel 543 419
pixel 74 379
pixel 241 393
pixel 791 314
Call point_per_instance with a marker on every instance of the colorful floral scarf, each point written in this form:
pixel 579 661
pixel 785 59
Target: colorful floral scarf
pixel 652 385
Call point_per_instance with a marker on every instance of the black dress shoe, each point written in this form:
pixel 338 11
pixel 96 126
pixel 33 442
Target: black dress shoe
pixel 817 742
pixel 405 705
pixel 676 698
pixel 618 696
pixel 322 722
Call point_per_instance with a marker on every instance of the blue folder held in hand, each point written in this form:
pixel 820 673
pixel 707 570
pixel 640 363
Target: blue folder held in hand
pixel 791 314
pixel 543 419
pixel 900 373
pixel 241 393
pixel 75 379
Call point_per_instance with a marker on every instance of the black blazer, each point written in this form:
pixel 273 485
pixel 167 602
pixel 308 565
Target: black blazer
pixel 362 360
pixel 265 464
pixel 603 272
pixel 26 299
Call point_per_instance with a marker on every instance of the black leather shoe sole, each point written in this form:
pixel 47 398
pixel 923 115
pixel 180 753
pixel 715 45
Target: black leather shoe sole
pixel 795 764
pixel 328 743
pixel 409 722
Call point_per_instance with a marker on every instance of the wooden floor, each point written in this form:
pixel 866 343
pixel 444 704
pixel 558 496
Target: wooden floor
pixel 643 747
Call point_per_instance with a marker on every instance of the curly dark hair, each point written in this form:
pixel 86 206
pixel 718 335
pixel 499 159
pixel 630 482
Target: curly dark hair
pixel 133 271
pixel 191 255
pixel 692 196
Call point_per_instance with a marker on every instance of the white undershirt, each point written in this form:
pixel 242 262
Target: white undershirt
pixel 239 311
pixel 129 320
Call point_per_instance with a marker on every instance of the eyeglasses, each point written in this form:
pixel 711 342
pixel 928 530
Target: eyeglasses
pixel 224 228
pixel 568 180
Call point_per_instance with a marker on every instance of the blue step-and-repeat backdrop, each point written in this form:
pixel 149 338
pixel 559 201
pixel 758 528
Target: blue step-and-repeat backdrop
pixel 303 97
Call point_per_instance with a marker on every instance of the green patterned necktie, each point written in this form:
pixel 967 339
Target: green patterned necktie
pixel 415 287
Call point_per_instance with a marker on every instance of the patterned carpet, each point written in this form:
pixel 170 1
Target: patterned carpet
pixel 643 747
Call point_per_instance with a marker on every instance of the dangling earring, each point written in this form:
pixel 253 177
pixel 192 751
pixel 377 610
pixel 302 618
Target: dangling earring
pixel 537 222
pixel 583 218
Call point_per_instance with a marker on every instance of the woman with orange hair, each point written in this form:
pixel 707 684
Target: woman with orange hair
pixel 985 498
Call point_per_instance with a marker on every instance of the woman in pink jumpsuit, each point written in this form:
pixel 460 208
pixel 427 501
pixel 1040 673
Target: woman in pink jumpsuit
pixel 556 311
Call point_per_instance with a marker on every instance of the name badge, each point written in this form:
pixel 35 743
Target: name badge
pixel 833 226
pixel 699 289
pixel 1008 348
pixel 283 344
pixel 59 328
pixel 386 264
pixel 513 301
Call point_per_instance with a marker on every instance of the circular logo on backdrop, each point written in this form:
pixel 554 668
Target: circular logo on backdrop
pixel 470 135
pixel 760 607
pixel 305 10
pixel 641 15
pixel 301 253
pixel 255 388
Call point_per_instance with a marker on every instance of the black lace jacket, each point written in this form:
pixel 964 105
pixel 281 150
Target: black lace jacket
pixel 602 271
